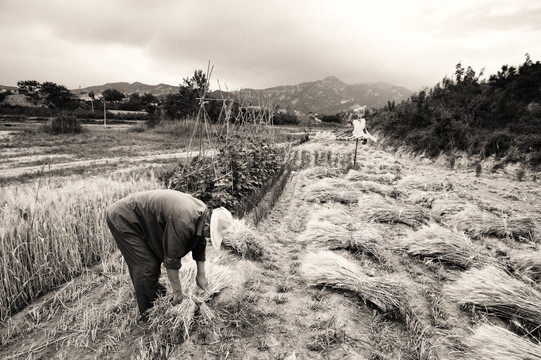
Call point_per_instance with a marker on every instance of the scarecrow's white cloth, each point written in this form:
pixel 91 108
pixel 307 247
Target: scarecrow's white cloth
pixel 359 130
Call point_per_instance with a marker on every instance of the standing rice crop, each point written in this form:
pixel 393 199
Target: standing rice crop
pixel 49 233
pixel 326 268
pixel 440 244
pixel 493 290
pixel 490 342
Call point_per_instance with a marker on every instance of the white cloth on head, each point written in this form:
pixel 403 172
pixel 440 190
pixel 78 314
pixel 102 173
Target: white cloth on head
pixel 221 223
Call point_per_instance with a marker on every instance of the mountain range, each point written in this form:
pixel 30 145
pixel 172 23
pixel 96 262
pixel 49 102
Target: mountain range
pixel 328 96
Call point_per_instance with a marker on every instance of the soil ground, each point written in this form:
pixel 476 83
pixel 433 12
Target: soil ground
pixel 270 312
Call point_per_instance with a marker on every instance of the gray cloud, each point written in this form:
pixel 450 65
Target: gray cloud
pixel 261 44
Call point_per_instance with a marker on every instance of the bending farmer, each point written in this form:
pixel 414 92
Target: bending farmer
pixel 162 226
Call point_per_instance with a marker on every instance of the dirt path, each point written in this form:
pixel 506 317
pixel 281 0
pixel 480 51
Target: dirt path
pixel 9 169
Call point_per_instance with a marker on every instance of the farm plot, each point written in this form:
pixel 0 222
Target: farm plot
pixel 371 263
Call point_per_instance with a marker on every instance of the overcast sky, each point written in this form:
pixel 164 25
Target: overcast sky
pixel 260 44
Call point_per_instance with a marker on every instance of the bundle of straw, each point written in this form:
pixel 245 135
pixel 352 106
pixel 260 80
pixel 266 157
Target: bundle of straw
pixel 491 342
pixel 528 264
pixel 423 198
pixel 327 190
pixel 496 292
pixel 440 244
pixel 173 323
pixel 337 214
pixel 477 224
pixel 324 234
pixel 386 178
pixel 245 241
pixel 375 187
pixel 374 209
pixel 320 172
pixel 326 268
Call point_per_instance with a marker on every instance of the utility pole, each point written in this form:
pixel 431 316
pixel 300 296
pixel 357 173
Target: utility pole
pixel 104 113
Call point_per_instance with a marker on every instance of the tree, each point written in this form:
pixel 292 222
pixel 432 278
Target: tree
pixel 28 85
pixel 113 95
pixel 57 96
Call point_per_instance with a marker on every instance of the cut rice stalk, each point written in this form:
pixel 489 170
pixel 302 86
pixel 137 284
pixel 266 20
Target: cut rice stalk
pixel 496 343
pixel 478 224
pixel 175 322
pixel 528 264
pixel 331 190
pixel 494 291
pixel 326 268
pixel 245 241
pixel 374 209
pixel 440 244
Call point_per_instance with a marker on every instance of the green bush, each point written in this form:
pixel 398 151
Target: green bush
pixel 63 124
pixel 498 144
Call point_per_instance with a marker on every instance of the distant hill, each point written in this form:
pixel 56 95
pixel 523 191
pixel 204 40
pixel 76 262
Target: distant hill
pixel 328 96
pixel 136 87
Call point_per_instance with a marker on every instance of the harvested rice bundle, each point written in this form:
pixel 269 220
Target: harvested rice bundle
pixel 324 234
pixel 326 268
pixel 493 290
pixel 440 244
pixel 245 241
pixel 386 178
pixel 375 187
pixel 449 205
pixel 320 172
pixel 338 215
pixel 491 342
pixel 477 224
pixel 422 198
pixel 374 209
pixel 173 323
pixel 528 264
pixel 419 182
pixel 327 190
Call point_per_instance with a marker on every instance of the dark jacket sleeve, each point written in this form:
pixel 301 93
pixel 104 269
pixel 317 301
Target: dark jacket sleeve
pixel 175 240
pixel 198 252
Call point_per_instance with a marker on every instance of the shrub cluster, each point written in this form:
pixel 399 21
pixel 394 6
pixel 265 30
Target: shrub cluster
pixel 481 117
pixel 63 124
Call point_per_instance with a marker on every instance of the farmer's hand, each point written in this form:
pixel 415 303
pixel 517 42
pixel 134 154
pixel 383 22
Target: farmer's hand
pixel 178 296
pixel 202 282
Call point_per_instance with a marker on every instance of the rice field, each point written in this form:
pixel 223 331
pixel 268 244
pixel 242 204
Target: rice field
pixel 395 259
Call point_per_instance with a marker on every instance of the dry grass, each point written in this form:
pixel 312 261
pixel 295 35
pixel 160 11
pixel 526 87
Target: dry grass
pixel 377 209
pixel 246 241
pixel 326 268
pixel 422 198
pixel 478 224
pixel 331 190
pixel 493 290
pixel 446 246
pixel 528 264
pixel 375 187
pixel 495 343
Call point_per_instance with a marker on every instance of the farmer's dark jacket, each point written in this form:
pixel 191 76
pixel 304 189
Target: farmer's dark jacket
pixel 170 222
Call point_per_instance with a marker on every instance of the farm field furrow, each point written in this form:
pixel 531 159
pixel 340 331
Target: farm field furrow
pixel 386 261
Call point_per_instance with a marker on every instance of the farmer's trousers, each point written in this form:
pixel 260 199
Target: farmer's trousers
pixel 143 266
